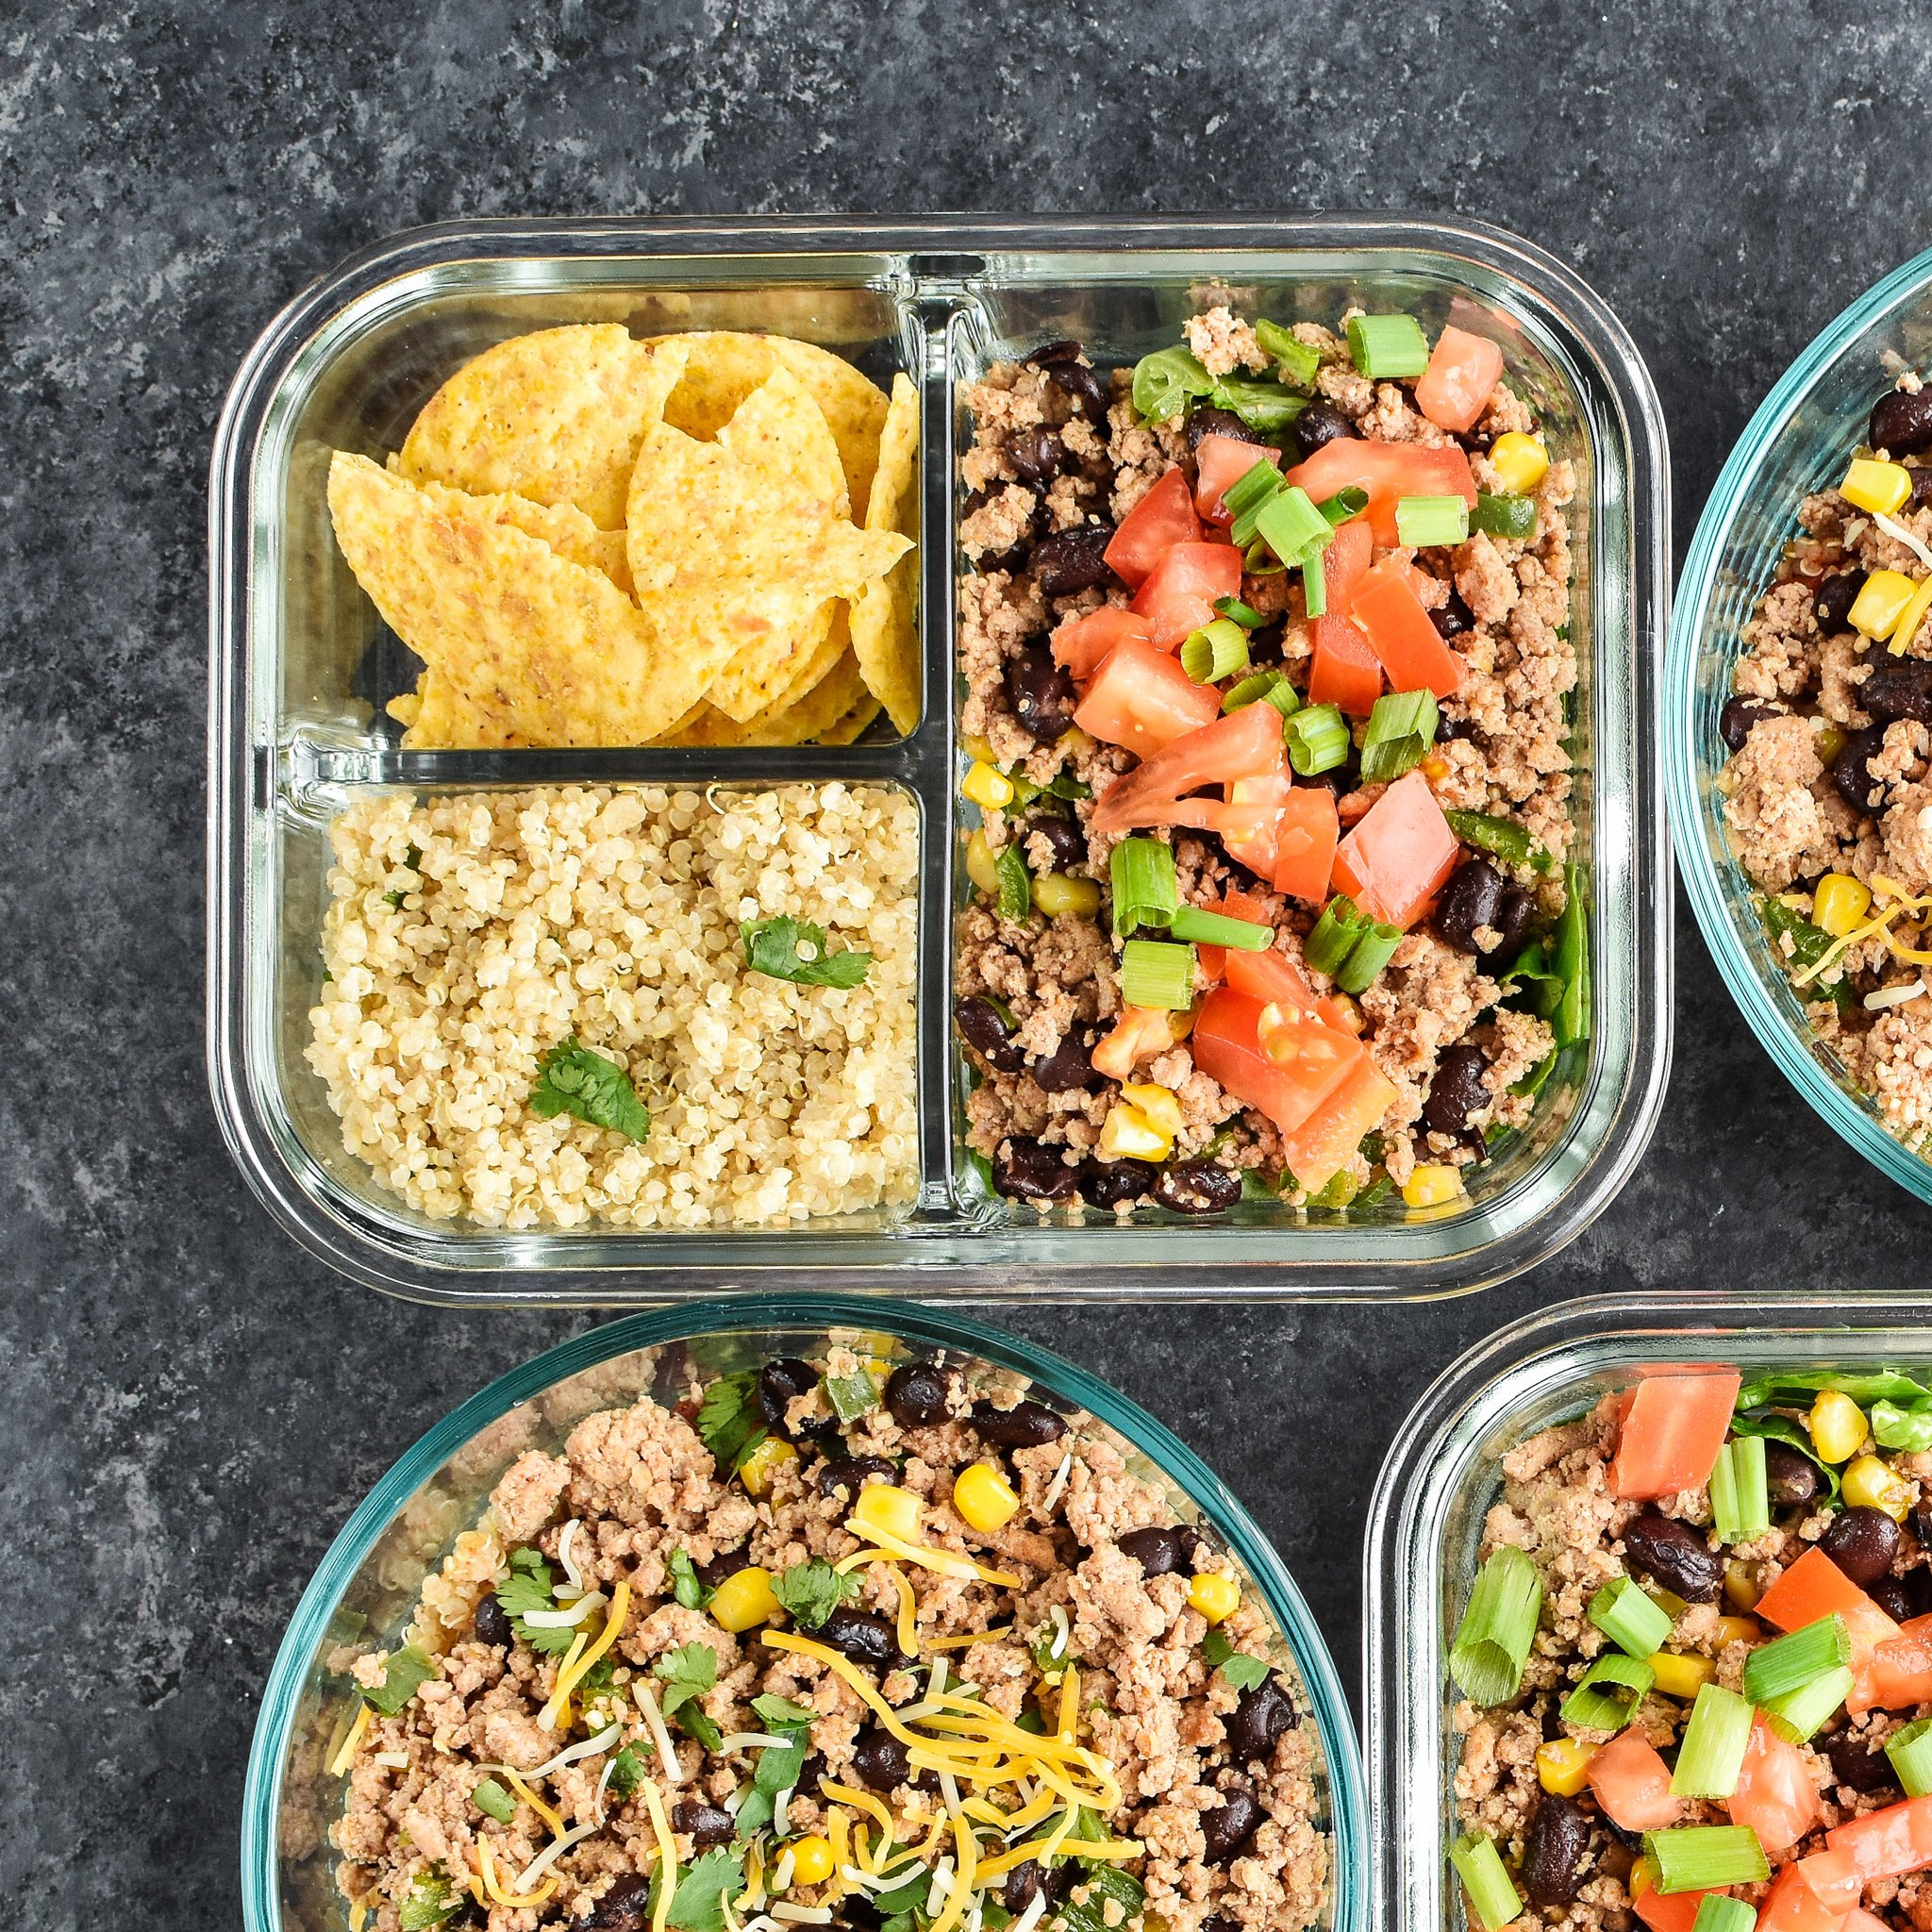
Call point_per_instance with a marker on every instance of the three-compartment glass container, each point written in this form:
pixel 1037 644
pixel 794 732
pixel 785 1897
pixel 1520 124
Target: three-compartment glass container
pixel 297 731
pixel 1443 1471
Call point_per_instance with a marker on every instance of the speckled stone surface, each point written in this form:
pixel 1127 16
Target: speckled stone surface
pixel 191 1406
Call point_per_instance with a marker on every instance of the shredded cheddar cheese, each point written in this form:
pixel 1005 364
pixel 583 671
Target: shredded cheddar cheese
pixel 578 1662
pixel 660 1827
pixel 511 1901
pixel 358 1731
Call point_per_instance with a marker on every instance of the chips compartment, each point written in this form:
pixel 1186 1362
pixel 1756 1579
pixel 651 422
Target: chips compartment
pixel 299 674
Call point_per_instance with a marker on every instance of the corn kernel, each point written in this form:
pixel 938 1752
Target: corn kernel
pixel 1642 1877
pixel 1879 604
pixel 1836 1425
pixel 1073 742
pixel 1562 1765
pixel 984 1497
pixel 1127 1134
pixel 744 1599
pixel 978 750
pixel 981 866
pixel 1346 1012
pixel 1738 1630
pixel 1681 1676
pixel 1055 892
pixel 1520 461
pixel 811 1860
pixel 1909 625
pixel 1431 1185
pixel 1217 1597
pixel 1741 1587
pixel 887 1507
pixel 1840 901
pixel 1827 740
pixel 1160 1104
pixel 1873 1484
pixel 1874 485
pixel 987 786
pixel 758 1469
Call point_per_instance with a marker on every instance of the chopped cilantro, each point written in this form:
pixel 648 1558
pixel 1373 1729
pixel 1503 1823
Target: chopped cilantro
pixel 696 1725
pixel 527 1588
pixel 1239 1671
pixel 852 1395
pixel 698 1903
pixel 1104 1882
pixel 428 1902
pixel 812 1591
pixel 627 1772
pixel 494 1802
pixel 574 1080
pixel 785 948
pixel 778 1710
pixel 685 1585
pixel 1044 1661
pixel 404 1673
pixel 687 1672
pixel 728 1418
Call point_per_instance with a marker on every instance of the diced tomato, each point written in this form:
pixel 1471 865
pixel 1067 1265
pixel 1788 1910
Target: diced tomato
pixel 1138 1032
pixel 1887 1843
pixel 1275 979
pixel 1244 744
pixel 1860 1920
pixel 1633 1784
pixel 1180 594
pixel 1221 462
pixel 1399 632
pixel 1164 517
pixel 1901 1671
pixel 1327 1141
pixel 1304 843
pixel 1671 1911
pixel 1815 1587
pixel 1671 1433
pixel 1211 961
pixel 1774 1796
pixel 1346 670
pixel 1389 471
pixel 1081 644
pixel 1252 823
pixel 1794 1905
pixel 1833 1878
pixel 1455 389
pixel 1309 1062
pixel 1141 698
pixel 1398 858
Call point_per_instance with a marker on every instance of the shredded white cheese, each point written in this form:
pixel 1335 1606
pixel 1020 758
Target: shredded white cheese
pixel 1056 1486
pixel 1893 996
pixel 672 1771
pixel 570 1616
pixel 803 1915
pixel 1896 529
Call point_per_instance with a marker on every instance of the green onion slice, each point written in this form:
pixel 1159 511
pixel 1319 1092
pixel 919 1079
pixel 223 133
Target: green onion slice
pixel 1703 1858
pixel 1424 523
pixel 1789 1663
pixel 1372 951
pixel 1257 561
pixel 1217 929
pixel 1155 974
pixel 1015 899
pixel 1911 1751
pixel 1606 1696
pixel 1314 586
pixel 1739 1490
pixel 1402 727
pixel 1629 1619
pixel 1493 1639
pixel 1330 942
pixel 1164 382
pixel 494 1801
pixel 1797 1716
pixel 1296 361
pixel 1244 614
pixel 1144 889
pixel 1493 1896
pixel 1317 739
pixel 1215 651
pixel 1247 496
pixel 1264 406
pixel 1347 503
pixel 1292 526
pixel 1717 1912
pixel 1710 1757
pixel 1388 346
pixel 1501 839
pixel 1270 687
pixel 1503 516
pixel 1569 957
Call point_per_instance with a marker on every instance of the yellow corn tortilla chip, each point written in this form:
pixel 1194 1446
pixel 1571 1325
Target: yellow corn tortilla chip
pixel 885 626
pixel 441 719
pixel 820 709
pixel 562 525
pixel 523 646
pixel 556 416
pixel 847 729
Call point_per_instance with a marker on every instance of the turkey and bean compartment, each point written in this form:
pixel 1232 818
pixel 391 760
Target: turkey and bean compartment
pixel 832 1643
pixel 1268 732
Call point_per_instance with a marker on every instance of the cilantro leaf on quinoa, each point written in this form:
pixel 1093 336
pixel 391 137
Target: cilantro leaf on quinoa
pixel 572 1079
pixel 405 1674
pixel 787 948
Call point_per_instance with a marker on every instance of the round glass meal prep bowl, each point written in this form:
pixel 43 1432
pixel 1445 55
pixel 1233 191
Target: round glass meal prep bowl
pixel 1797 443
pixel 368 1582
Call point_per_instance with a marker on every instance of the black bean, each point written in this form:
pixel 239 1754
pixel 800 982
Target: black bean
pixel 1027 1878
pixel 1319 424
pixel 1452 618
pixel 882 1762
pixel 1668 1552
pixel 1068 1069
pixel 706 1823
pixel 1072 560
pixel 1036 454
pixel 1558 1837
pixel 848 1473
pixel 1792 1479
pixel 1219 1922
pixel 1255 1724
pixel 1921 1528
pixel 1472 898
pixel 1861 1541
pixel 1041 693
pixel 1108 1183
pixel 1832 606
pixel 982 1029
pixel 1851 771
pixel 1457 1092
pixel 1859 1761
pixel 1065 839
pixel 490 1625
pixel 1197 1187
pixel 1063 349
pixel 1901 424
pixel 1734 723
pixel 1204 419
pixel 1898 687
pixel 726 1564
pixel 1229 1828
pixel 624 1907
pixel 1922 486
pixel 916 1395
pixel 1083 387
pixel 862 1636
pixel 1512 923
pixel 1030 1170
pixel 780 1383
pixel 1893 1597
pixel 1156 1549
pixel 1023 1426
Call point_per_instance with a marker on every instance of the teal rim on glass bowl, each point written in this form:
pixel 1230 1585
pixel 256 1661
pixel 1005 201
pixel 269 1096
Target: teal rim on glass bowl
pixel 369 1579
pixel 1798 441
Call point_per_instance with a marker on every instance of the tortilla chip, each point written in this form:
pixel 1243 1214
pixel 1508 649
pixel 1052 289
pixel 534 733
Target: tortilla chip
pixel 440 717
pixel 556 416
pixel 885 625
pixel 811 715
pixel 524 647
pixel 562 525
pixel 847 730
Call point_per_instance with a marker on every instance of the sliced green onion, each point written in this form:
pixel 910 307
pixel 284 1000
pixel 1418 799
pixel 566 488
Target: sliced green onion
pixel 1327 949
pixel 1717 1912
pixel 1217 929
pixel 1164 382
pixel 1144 889
pixel 1492 1897
pixel 1402 727
pixel 1789 1663
pixel 1629 1618
pixel 1424 522
pixel 494 1802
pixel 1606 1696
pixel 1497 1628
pixel 1015 900
pixel 1372 951
pixel 1314 586
pixel 1296 361
pixel 1244 614
pixel 1317 739
pixel 1569 958
pixel 1247 496
pixel 1154 973
pixel 1292 526
pixel 1388 346
pixel 1739 1493
pixel 1215 651
pixel 1501 839
pixel 1257 561
pixel 1347 503
pixel 1503 516
pixel 1271 687
pixel 1703 1858
pixel 1911 1751
pixel 1710 1757
pixel 1799 1715
pixel 1264 406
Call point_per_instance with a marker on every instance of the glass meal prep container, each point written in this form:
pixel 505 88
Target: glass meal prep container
pixel 295 737
pixel 369 1581
pixel 1443 1471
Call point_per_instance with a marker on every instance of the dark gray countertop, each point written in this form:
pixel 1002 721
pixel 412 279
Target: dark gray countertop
pixel 191 1407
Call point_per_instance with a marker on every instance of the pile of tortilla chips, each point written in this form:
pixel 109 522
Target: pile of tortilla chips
pixel 702 538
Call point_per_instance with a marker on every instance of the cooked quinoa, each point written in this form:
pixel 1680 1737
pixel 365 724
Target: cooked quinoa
pixel 470 934
pixel 725 1687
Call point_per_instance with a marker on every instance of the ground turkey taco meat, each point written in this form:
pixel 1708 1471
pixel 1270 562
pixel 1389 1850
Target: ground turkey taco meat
pixel 831 1644
pixel 1271 896
pixel 1828 796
